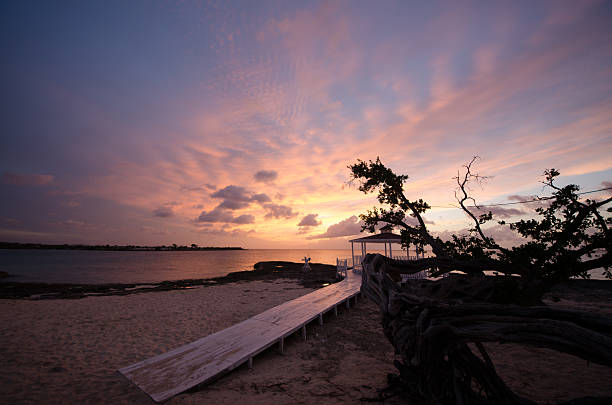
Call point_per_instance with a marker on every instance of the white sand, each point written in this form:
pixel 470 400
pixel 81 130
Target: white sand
pixel 68 351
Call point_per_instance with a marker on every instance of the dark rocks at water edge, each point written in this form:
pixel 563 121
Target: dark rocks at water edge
pixel 319 276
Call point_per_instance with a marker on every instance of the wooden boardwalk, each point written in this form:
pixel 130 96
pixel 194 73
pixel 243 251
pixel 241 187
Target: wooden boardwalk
pixel 171 373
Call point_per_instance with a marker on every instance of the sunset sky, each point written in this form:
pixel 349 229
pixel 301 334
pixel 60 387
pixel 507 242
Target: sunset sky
pixel 232 123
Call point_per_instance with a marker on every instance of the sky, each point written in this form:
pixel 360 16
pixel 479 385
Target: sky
pixel 233 123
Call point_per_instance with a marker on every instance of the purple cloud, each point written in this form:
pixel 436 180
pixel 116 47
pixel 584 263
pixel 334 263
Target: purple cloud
pixel 503 235
pixel 498 212
pixel 309 221
pixel 163 212
pixel 232 192
pixel 220 215
pixel 237 197
pixel 234 197
pixel 260 198
pixel 234 204
pixel 210 187
pixel 266 176
pixel 414 222
pixel 27 179
pixel 279 211
pixel 244 219
pixel 346 227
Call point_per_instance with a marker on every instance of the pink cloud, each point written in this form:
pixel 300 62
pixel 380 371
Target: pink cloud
pixel 347 227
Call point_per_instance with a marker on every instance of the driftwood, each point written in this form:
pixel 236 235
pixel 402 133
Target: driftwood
pixel 438 328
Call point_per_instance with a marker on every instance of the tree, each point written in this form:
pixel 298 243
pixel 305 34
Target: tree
pixel 432 323
pixel 555 246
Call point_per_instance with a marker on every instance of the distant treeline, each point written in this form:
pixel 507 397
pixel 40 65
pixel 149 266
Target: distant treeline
pixel 15 245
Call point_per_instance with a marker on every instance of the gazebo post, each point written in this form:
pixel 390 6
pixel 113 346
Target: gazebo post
pixel 390 251
pixel 353 254
pixel 385 249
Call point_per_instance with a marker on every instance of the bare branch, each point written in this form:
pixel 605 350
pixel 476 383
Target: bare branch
pixel 462 183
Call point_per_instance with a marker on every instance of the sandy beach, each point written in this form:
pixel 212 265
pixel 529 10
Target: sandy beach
pixel 68 351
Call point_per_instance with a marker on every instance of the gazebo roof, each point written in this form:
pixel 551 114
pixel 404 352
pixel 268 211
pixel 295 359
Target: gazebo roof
pixel 384 237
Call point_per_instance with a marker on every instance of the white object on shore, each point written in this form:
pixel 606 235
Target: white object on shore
pixel 306 264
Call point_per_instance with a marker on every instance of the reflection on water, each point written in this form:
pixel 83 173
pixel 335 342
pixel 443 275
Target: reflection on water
pixel 96 267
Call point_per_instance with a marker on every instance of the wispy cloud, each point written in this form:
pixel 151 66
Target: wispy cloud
pixel 251 121
pixel 498 212
pixel 20 179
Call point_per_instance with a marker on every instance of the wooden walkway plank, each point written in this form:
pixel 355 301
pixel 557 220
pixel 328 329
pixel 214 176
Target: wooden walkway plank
pixel 173 372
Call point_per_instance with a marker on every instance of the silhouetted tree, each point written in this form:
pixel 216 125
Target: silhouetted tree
pixel 570 237
pixel 431 322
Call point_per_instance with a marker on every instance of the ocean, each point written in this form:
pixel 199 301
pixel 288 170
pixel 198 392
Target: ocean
pixel 99 267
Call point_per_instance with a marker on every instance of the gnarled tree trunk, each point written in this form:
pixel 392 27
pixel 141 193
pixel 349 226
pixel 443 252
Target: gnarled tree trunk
pixel 431 323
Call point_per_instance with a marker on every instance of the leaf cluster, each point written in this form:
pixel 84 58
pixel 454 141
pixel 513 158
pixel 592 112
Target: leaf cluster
pixel 374 176
pixel 568 238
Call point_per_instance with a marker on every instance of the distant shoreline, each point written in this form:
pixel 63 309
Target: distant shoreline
pixel 130 248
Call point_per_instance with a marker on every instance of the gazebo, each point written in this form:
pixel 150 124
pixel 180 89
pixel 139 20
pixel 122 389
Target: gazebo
pixel 383 237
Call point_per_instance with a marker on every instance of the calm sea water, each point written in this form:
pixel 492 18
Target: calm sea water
pixel 97 267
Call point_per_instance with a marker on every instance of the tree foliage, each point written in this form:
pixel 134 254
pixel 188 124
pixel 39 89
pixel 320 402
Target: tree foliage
pixel 565 238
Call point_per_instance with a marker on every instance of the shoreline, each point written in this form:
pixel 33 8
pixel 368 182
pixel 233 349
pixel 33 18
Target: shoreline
pixel 318 276
pixel 114 248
